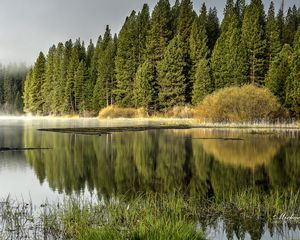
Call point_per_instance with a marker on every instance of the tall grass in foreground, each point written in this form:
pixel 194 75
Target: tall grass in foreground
pixel 146 216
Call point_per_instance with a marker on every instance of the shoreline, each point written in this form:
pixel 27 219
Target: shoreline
pixel 190 122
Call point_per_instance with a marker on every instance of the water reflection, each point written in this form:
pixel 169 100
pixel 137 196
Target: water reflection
pixel 159 161
pixel 162 161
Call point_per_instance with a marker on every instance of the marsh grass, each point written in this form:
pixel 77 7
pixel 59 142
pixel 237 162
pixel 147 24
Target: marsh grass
pixel 144 216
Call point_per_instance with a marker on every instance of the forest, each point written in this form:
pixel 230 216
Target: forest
pixel 11 88
pixel 174 56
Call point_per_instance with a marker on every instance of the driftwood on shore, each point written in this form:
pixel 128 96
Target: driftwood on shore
pixel 98 131
pixel 110 130
pixel 6 149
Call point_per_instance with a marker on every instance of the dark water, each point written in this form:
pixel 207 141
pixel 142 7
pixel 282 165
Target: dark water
pixel 154 160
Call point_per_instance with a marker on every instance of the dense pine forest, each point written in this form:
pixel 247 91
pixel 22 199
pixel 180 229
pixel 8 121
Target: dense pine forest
pixel 11 88
pixel 173 56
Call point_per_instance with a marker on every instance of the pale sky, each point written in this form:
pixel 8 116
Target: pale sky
pixel 30 26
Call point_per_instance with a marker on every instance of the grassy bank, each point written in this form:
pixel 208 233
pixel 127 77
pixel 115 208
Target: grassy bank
pixel 146 216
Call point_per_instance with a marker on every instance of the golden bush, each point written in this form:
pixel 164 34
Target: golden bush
pixel 118 112
pixel 239 104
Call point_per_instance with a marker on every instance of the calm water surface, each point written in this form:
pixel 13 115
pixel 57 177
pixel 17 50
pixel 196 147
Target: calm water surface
pixel 154 160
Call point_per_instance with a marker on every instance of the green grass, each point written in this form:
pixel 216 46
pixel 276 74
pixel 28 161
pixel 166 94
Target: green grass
pixel 145 216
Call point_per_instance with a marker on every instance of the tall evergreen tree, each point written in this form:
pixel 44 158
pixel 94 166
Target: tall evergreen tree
pixel 171 76
pixel 229 13
pixel 47 87
pixel 103 87
pixel 229 59
pixel 67 52
pixel 145 87
pixel 127 61
pixel 58 79
pixel 280 21
pixel 279 72
pixel 174 17
pixel 35 98
pixel 160 32
pixel 293 83
pixel 185 22
pixel 212 27
pixel 198 42
pixel 80 78
pixel 70 105
pixel 203 84
pixel 143 21
pixel 253 37
pixel 26 95
pixel 272 35
pixel 291 25
pixel 157 40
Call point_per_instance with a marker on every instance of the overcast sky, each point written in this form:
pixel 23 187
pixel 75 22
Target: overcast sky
pixel 29 26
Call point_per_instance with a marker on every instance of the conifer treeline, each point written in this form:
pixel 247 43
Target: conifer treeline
pixel 11 88
pixel 171 57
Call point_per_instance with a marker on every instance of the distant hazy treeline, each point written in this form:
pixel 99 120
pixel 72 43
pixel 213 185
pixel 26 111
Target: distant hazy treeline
pixel 11 88
pixel 173 56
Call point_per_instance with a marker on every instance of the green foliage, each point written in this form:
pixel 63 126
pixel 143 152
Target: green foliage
pixel 212 27
pixel 127 60
pixel 103 95
pixel 145 87
pixel 293 83
pixel 203 84
pixel 171 78
pixel 229 58
pixel 160 32
pixel 253 37
pixel 272 35
pixel 36 83
pixel 239 104
pixel 279 73
pixel 12 77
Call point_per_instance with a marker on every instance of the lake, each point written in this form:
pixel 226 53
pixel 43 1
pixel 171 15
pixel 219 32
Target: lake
pixel 207 163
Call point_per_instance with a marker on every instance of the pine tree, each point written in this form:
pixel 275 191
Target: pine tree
pixel 280 21
pixel 80 78
pixel 143 21
pixel 229 61
pixel 253 37
pixel 291 25
pixel 198 42
pixel 272 35
pixel 171 78
pixel 160 32
pixel 35 98
pixel 185 21
pixel 203 84
pixel 58 79
pixel 293 83
pixel 69 98
pixel 279 72
pixel 145 87
pixel 103 87
pixel 47 87
pixel 174 17
pixel 90 53
pixel 240 7
pixel 212 28
pixel 157 40
pixel 67 53
pixel 229 13
pixel 127 61
pixel 26 95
